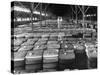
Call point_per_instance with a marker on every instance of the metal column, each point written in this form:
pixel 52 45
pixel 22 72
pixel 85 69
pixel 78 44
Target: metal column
pixel 41 15
pixel 82 9
pixel 32 7
pixel 76 12
pixel 45 10
pixel 83 23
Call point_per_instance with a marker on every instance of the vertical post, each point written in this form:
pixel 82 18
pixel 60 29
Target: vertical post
pixel 45 15
pixel 21 19
pixel 41 14
pixel 76 14
pixel 72 16
pixel 58 22
pixel 83 16
pixel 32 7
pixel 90 20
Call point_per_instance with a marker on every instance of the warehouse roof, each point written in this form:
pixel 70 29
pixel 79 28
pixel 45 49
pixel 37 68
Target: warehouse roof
pixel 54 9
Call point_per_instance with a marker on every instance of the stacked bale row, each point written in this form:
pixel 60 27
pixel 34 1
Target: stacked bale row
pixel 50 56
pixel 50 51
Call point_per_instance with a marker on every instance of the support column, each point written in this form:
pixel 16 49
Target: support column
pixel 83 14
pixel 76 15
pixel 41 14
pixel 45 15
pixel 76 12
pixel 32 7
pixel 72 16
pixel 83 17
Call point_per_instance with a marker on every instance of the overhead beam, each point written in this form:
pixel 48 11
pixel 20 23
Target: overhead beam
pixel 36 6
pixel 82 9
pixel 73 10
pixel 87 9
pixel 21 4
pixel 76 12
pixel 46 6
pixel 12 8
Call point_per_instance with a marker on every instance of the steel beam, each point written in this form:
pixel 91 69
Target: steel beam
pixel 21 4
pixel 76 12
pixel 82 9
pixel 36 6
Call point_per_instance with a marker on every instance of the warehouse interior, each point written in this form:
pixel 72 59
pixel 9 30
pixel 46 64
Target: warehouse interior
pixel 48 37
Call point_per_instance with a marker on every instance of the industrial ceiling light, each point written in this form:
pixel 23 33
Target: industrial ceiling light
pixel 89 15
pixel 35 18
pixel 18 19
pixel 36 12
pixel 94 14
pixel 14 20
pixel 43 14
pixel 28 19
pixel 23 19
pixel 17 8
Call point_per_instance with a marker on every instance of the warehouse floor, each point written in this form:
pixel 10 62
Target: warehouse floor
pixel 52 51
